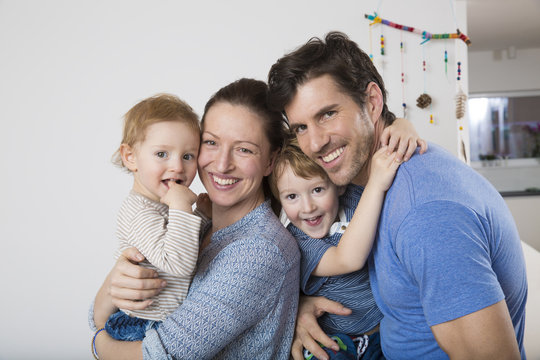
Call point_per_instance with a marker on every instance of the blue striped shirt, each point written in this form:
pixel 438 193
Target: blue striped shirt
pixel 352 290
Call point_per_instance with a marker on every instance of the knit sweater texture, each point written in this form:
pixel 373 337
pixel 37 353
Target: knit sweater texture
pixel 243 300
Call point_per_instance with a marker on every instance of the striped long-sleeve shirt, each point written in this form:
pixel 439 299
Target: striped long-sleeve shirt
pixel 169 240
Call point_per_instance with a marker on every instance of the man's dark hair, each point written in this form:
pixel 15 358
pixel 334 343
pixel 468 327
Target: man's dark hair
pixel 337 56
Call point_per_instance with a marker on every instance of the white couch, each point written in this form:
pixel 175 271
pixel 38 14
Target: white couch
pixel 532 321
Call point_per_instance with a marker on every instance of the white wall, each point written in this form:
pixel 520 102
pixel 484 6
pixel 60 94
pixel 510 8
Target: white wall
pixel 520 75
pixel 525 210
pixel 69 70
pixel 495 72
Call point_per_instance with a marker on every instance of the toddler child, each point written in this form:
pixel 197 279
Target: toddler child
pixel 333 259
pixel 161 139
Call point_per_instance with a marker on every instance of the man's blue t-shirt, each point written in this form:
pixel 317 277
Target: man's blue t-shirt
pixel 447 246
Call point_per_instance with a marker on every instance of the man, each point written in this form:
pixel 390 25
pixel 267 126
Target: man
pixel 447 269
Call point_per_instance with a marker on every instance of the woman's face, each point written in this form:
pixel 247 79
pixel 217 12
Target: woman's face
pixel 234 157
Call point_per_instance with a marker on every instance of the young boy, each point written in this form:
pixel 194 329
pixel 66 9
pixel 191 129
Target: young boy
pixel 161 139
pixel 333 259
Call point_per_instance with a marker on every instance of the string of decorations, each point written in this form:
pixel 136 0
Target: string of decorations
pixel 461 98
pixel 446 63
pixel 370 44
pixel 424 100
pixel 461 105
pixel 425 35
pixel 402 52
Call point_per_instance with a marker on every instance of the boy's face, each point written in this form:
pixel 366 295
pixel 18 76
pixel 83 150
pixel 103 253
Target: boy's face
pixel 310 204
pixel 167 153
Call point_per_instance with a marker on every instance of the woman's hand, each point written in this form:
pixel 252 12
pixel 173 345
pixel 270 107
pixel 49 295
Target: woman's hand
pixel 401 137
pixel 128 286
pixel 308 331
pixel 131 286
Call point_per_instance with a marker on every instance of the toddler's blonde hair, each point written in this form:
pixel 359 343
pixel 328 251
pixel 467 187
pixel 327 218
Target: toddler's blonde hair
pixel 160 107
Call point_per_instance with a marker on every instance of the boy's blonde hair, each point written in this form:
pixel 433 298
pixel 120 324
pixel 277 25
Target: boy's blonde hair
pixel 301 164
pixel 160 107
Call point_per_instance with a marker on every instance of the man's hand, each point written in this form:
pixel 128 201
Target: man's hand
pixel 308 331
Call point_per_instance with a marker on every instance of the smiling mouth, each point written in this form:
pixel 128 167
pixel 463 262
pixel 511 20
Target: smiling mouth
pixel 221 181
pixel 333 155
pixel 314 220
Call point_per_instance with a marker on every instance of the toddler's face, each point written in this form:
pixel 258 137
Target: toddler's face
pixel 310 204
pixel 167 153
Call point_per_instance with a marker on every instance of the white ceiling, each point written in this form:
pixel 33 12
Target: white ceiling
pixel 500 24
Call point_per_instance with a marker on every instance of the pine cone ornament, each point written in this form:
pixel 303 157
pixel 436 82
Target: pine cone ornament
pixel 423 101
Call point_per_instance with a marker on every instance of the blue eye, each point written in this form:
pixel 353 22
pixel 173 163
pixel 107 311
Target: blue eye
pixel 209 142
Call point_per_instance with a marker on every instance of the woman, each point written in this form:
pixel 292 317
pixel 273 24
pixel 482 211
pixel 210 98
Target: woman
pixel 243 299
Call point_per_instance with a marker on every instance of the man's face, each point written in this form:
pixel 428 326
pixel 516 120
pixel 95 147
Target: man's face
pixel 332 129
